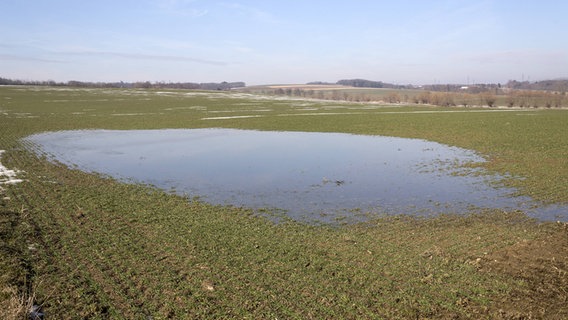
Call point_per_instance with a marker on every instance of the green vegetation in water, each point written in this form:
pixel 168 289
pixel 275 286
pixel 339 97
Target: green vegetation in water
pixel 85 246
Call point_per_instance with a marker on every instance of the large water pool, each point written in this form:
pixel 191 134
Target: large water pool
pixel 307 176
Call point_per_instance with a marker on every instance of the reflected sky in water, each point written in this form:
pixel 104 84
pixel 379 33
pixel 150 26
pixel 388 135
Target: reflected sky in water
pixel 311 176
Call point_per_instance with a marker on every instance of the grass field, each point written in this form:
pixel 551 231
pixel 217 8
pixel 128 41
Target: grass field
pixel 85 246
pixel 474 96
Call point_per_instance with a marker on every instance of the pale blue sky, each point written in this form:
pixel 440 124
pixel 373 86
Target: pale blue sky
pixel 261 42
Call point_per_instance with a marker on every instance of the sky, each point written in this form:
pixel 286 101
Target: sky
pixel 277 42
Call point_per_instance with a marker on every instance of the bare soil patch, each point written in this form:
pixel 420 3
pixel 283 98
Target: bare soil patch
pixel 541 267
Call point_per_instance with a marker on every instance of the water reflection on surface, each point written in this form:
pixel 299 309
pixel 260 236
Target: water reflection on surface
pixel 311 176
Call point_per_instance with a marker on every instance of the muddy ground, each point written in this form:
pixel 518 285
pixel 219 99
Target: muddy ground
pixel 543 265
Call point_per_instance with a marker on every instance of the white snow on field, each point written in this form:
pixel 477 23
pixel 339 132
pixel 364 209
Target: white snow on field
pixel 231 117
pixel 133 114
pixel 7 176
pixel 198 108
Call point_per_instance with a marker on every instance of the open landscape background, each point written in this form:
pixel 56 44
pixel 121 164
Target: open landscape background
pixel 83 245
pixel 489 76
pixel 271 42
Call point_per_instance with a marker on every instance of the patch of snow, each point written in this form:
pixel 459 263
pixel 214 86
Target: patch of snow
pixel 132 114
pixel 199 108
pixel 232 117
pixel 317 114
pixel 7 176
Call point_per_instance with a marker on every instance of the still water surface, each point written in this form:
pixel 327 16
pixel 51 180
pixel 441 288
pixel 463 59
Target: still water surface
pixel 309 176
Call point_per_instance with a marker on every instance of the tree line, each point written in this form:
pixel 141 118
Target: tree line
pixel 121 84
pixel 363 83
pixel 488 97
pixel 558 85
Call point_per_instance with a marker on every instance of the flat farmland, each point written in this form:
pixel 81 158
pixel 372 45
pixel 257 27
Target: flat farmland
pixel 82 245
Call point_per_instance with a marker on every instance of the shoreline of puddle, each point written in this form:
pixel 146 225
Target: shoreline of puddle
pixel 308 176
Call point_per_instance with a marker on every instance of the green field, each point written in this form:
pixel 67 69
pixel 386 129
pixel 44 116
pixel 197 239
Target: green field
pixel 474 96
pixel 85 246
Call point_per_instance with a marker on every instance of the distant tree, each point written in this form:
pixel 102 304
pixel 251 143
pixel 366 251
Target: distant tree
pixel 464 99
pixel 74 83
pixel 335 95
pixel 511 100
pixel 447 99
pixel 142 85
pixel 361 83
pixel 488 99
pixel 424 97
pixel 393 97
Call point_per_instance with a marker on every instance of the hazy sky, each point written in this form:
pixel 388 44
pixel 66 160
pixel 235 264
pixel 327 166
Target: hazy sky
pixel 292 41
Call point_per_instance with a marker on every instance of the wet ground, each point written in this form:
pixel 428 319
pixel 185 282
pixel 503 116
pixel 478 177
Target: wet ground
pixel 307 176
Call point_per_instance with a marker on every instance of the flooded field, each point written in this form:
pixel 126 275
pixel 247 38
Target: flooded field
pixel 308 176
pixel 80 244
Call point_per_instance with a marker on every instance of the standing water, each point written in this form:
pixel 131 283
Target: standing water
pixel 309 176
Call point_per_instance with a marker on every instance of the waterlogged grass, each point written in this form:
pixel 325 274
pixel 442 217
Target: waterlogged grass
pixel 524 143
pixel 85 246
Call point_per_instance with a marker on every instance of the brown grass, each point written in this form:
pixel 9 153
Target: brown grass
pixel 541 264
